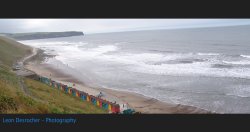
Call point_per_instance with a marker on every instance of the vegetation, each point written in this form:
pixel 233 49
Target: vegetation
pixel 11 51
pixel 58 101
pixel 41 98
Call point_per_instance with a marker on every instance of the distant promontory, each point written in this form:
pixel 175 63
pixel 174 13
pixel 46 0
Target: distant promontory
pixel 41 35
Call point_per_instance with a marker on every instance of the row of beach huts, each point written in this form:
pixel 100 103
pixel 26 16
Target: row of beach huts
pixel 102 103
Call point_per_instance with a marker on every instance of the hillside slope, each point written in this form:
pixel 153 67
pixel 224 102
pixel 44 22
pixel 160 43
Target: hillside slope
pixel 41 98
pixel 11 51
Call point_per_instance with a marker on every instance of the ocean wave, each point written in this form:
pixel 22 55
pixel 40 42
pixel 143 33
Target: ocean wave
pixel 208 54
pixel 239 91
pixel 180 61
pixel 241 62
pixel 238 95
pixel 74 53
pixel 221 66
pixel 143 58
pixel 104 48
pixel 159 63
pixel 245 56
pixel 162 51
pixel 192 69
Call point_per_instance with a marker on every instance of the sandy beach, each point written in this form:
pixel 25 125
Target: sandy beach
pixel 136 101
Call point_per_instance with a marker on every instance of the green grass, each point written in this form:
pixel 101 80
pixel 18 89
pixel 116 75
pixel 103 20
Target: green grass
pixel 45 99
pixel 10 92
pixel 11 51
pixel 42 99
pixel 60 102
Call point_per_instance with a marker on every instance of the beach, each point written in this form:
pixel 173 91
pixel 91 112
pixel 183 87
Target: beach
pixel 140 103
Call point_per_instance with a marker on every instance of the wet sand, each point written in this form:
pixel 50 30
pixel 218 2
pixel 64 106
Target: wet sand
pixel 136 101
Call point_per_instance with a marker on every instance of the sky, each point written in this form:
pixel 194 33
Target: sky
pixel 90 26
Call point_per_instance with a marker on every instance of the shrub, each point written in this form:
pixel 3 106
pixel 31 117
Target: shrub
pixel 7 104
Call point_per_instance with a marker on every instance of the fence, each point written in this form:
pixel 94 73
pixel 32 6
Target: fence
pixel 102 103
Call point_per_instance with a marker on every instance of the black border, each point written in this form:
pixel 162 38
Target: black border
pixel 140 122
pixel 130 9
pixel 124 9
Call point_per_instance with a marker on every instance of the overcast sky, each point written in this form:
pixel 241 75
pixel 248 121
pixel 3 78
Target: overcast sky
pixel 89 26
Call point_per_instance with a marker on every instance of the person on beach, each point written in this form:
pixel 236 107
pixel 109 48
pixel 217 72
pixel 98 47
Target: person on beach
pixel 100 94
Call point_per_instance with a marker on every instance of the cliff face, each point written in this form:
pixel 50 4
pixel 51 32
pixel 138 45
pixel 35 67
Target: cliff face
pixel 42 35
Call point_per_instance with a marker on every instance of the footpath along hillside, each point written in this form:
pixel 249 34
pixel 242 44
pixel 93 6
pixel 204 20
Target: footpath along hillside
pixel 20 94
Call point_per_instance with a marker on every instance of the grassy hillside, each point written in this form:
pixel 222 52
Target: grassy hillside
pixel 41 98
pixel 10 50
pixel 59 102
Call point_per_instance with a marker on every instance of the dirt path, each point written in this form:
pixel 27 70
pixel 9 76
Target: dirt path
pixel 34 52
pixel 24 72
pixel 26 91
pixel 23 86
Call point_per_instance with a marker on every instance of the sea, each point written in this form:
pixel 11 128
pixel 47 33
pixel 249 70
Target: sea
pixel 208 68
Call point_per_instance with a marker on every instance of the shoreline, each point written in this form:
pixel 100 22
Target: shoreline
pixel 139 102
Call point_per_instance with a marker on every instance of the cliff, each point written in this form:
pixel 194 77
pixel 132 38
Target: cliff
pixel 41 35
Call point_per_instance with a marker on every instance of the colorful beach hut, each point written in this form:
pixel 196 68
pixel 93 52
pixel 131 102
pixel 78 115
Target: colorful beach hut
pixel 88 98
pixel 73 91
pixel 100 103
pixel 58 85
pixel 83 96
pixel 115 108
pixel 66 89
pixel 70 90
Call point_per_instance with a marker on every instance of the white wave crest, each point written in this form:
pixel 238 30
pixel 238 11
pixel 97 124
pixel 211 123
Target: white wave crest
pixel 241 62
pixel 245 56
pixel 208 54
